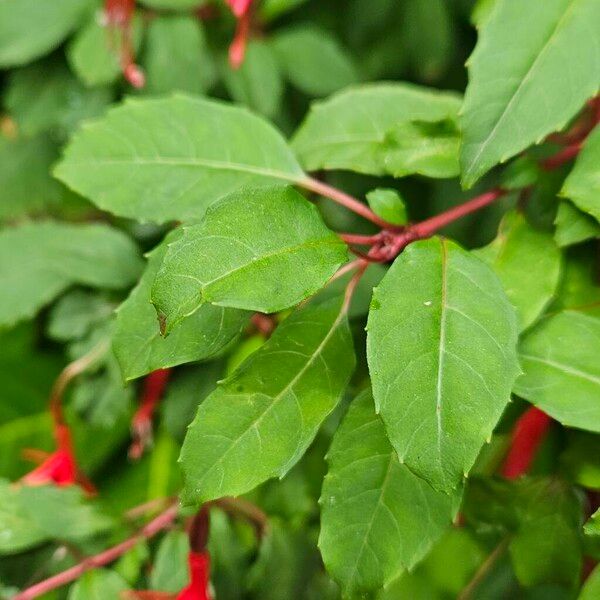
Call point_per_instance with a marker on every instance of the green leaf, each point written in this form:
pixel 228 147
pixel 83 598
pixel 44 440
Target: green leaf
pixel 170 568
pixel 429 149
pixel 176 56
pixel 45 95
pixel 313 60
pixel 378 518
pixel 26 32
pixel 516 254
pixel 559 358
pixel 257 83
pixel 592 526
pixel 354 128
pixel 260 420
pixel 137 342
pixel 515 99
pixel 389 205
pixel 40 260
pixel 591 589
pixel 542 522
pixel 173 4
pixel 95 54
pixel 441 345
pixel 98 584
pixel 573 226
pixel 245 255
pixel 583 184
pixel 171 158
pixel 30 515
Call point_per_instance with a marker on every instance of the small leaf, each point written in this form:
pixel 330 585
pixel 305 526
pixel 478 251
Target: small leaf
pixel 176 56
pixel 591 588
pixel 181 154
pixel 441 344
pixel 351 129
pixel 259 421
pixel 561 376
pixel 257 83
pixel 98 584
pixel 378 518
pixel 389 205
pixel 170 568
pixel 245 254
pixel 574 226
pixel 26 33
pixel 313 60
pixel 583 184
pixel 516 254
pixel 137 342
pixel 502 114
pixel 40 260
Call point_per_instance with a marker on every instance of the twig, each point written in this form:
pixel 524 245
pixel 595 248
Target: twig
pixel 159 523
pixel 483 570
pixel 245 509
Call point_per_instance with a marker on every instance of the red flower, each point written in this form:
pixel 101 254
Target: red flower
pixel 198 589
pixel 239 7
pixel 60 467
pixel 237 49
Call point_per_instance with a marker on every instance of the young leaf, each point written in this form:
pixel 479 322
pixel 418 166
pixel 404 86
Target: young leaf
pixel 170 569
pixel 441 345
pixel 137 342
pixel 378 518
pixel 583 184
pixel 574 226
pixel 176 56
pixel 350 130
pixel 559 358
pixel 389 205
pixel 245 254
pixel 26 33
pixel 40 260
pixel 515 99
pixel 519 252
pixel 98 584
pixel 591 589
pixel 313 60
pixel 171 158
pixel 257 83
pixel 260 420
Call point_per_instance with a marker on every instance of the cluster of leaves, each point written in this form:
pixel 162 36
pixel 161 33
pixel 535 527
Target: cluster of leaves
pixel 174 224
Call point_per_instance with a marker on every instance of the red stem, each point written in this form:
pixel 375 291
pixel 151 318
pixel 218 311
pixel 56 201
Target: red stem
pixel 361 240
pixel 564 156
pixel 343 199
pixel 528 435
pixel 161 522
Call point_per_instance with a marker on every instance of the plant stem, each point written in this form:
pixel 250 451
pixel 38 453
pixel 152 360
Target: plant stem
pixel 243 508
pixel 159 523
pixel 564 156
pixel 361 240
pixel 351 287
pixel 343 199
pixel 483 570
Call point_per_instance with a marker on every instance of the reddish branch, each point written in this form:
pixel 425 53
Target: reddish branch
pixel 237 50
pixel 141 424
pixel 527 437
pixel 162 521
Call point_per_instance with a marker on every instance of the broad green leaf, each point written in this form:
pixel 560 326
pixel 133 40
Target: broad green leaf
pixel 99 584
pixel 429 149
pixel 441 346
pixel 30 515
pixel 583 184
pixel 137 342
pixel 40 260
pixel 313 60
pixel 579 287
pixel 176 56
pixel 514 99
pixel 541 519
pixel 573 226
pixel 561 371
pixel 591 589
pixel 45 95
pixel 355 128
pixel 528 263
pixel 94 54
pixel 257 83
pixel 170 567
pixel 27 187
pixel 244 254
pixel 27 32
pixel 378 518
pixel 171 158
pixel 481 11
pixel 260 420
pixel 389 205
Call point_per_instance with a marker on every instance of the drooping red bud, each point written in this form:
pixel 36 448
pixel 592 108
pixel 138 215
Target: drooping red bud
pixel 198 589
pixel 237 49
